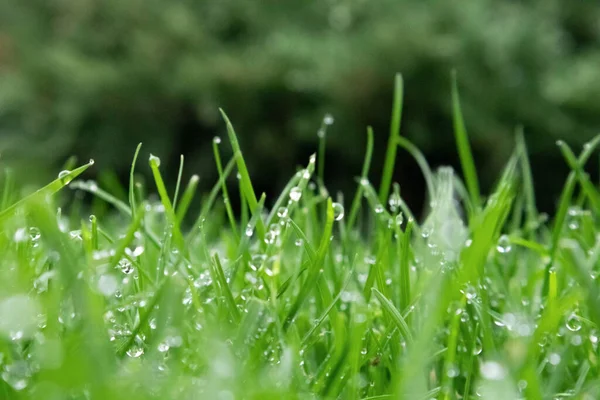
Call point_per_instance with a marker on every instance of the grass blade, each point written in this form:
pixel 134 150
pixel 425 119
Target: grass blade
pixel 463 146
pixel 390 156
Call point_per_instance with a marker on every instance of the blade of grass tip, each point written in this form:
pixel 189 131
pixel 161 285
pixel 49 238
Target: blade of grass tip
pixel 464 148
pixel 322 134
pixel 421 161
pixel 186 198
pixel 164 198
pixel 314 270
pixel 364 176
pixel 132 202
pixel 210 200
pixel 584 180
pixel 580 268
pixel 390 156
pixel 94 231
pixel 564 204
pixel 528 187
pixel 63 180
pixel 226 199
pixel 245 181
pixel 92 188
pixel 394 314
pixel 178 184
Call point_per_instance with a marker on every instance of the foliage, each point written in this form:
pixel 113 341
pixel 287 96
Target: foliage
pixel 95 78
pixel 293 301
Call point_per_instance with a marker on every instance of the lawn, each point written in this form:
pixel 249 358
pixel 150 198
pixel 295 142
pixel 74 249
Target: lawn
pixel 306 296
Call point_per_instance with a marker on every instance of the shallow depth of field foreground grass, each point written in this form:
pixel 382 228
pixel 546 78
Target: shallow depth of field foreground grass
pixel 309 295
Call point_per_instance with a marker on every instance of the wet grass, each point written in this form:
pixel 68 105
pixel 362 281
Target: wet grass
pixel 307 295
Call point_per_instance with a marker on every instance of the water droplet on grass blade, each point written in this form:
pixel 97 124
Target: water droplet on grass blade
pixel 217 140
pixel 295 193
pixel 452 371
pixel 328 119
pixel 34 234
pixel 135 351
pixel 63 175
pixel 282 212
pixel 504 246
pixel 154 160
pixel 573 323
pixel 554 359
pixel 338 211
pixel 270 237
pixel 399 219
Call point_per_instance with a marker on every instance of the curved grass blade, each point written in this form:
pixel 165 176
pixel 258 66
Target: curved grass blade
pixel 394 314
pixel 46 191
pixel 390 156
pixel 226 198
pixel 186 198
pixel 132 200
pixel 364 176
pixel 421 161
pixel 246 183
pixel 464 148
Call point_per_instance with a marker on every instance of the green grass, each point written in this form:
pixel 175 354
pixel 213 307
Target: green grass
pixel 303 296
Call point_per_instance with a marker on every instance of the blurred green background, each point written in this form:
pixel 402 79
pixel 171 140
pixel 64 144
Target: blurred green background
pixel 93 78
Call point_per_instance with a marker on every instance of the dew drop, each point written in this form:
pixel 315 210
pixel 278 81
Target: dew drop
pixel 34 234
pixel 452 371
pixel 295 193
pixel 426 232
pixel 63 174
pixel 554 359
pixel 573 323
pixel 270 237
pixel 154 160
pixel 338 211
pixel 217 140
pixel 504 246
pixel 399 219
pixel 328 119
pixel 135 352
pixel 282 212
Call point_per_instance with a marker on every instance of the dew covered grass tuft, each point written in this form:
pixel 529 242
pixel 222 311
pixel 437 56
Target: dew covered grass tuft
pixel 310 295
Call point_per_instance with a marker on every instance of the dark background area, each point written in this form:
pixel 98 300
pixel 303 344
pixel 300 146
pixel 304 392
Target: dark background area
pixel 93 78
